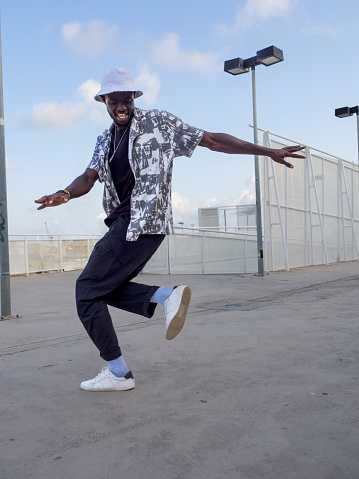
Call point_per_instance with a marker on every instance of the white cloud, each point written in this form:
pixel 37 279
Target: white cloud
pixel 93 38
pixel 246 197
pixel 8 165
pixel 99 114
pixel 268 8
pixel 255 11
pixel 56 115
pixel 186 210
pixel 326 31
pixel 88 90
pixel 167 52
pixel 149 83
pixel 183 204
pixel 89 39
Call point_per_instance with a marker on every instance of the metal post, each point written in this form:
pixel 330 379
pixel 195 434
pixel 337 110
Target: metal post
pixel 245 253
pixel 265 211
pixel 358 134
pixel 26 257
pixel 306 192
pixel 4 239
pixel 168 257
pixel 339 198
pixel 203 252
pixel 60 253
pixel 257 180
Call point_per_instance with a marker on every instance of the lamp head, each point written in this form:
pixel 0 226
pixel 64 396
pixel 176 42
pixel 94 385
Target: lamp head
pixel 343 112
pixel 235 66
pixel 269 56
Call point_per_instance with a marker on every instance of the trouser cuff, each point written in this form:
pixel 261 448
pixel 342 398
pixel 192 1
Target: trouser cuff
pixel 111 356
pixel 148 307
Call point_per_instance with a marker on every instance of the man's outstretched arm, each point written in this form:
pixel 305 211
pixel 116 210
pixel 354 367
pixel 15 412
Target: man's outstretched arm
pixel 232 145
pixel 79 187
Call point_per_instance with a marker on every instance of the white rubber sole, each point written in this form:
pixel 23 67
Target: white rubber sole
pixel 177 322
pixel 127 387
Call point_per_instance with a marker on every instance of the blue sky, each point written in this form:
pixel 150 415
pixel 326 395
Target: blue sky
pixel 54 55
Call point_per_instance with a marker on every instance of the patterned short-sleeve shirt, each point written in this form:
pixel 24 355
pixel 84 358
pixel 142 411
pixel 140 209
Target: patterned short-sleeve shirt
pixel 156 138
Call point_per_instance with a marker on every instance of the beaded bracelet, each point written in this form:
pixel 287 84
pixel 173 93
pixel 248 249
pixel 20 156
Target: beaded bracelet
pixel 64 191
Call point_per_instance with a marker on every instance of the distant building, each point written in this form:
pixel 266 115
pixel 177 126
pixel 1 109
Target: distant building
pixel 229 218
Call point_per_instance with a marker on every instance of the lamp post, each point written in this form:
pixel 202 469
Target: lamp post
pixel 346 111
pixel 4 240
pixel 236 66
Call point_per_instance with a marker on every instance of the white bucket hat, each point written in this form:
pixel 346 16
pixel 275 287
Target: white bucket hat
pixel 117 79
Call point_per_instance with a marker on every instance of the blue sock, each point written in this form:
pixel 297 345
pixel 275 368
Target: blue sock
pixel 118 367
pixel 161 295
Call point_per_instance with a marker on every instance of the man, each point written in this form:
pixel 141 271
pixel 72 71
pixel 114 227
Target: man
pixel 134 161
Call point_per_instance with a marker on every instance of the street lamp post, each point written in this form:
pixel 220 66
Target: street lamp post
pixel 4 240
pixel 346 111
pixel 236 66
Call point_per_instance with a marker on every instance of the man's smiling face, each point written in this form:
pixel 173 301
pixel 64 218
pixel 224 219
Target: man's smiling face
pixel 120 107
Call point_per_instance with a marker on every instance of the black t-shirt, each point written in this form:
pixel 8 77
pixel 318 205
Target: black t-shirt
pixel 121 173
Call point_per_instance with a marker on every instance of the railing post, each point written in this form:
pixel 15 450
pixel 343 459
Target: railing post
pixel 168 257
pixel 60 253
pixel 306 211
pixel 26 257
pixel 245 253
pixel 203 252
pixel 339 198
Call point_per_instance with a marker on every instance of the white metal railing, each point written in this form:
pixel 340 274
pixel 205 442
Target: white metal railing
pixel 312 148
pixel 34 253
pixel 204 251
pixel 317 206
pixel 190 250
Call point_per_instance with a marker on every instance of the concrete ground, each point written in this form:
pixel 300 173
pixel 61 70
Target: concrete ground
pixel 262 383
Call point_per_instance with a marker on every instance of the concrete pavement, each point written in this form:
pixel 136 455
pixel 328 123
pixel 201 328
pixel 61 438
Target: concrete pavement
pixel 261 383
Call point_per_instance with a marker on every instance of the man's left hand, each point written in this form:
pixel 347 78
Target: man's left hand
pixel 287 152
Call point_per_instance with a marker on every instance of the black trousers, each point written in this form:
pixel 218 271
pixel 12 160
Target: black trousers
pixel 106 280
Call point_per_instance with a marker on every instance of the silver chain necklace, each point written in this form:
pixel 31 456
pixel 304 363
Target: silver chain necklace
pixel 115 148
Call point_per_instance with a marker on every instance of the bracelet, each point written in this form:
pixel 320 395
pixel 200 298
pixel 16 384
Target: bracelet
pixel 64 191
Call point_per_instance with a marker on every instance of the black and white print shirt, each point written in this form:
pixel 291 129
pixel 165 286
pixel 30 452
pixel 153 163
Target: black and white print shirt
pixel 156 138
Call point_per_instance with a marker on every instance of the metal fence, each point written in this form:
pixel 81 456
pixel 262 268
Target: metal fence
pixel 190 251
pixel 35 253
pixel 310 217
pixel 310 213
pixel 205 252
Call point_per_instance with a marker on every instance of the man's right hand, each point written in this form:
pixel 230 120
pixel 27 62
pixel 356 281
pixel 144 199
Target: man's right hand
pixel 55 199
pixel 79 187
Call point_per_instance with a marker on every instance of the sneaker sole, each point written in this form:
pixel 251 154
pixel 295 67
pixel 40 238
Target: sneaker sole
pixel 177 322
pixel 107 389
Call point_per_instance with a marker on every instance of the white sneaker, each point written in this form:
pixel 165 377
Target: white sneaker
pixel 176 306
pixel 106 381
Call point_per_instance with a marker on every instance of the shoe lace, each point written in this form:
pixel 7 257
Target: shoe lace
pixel 102 374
